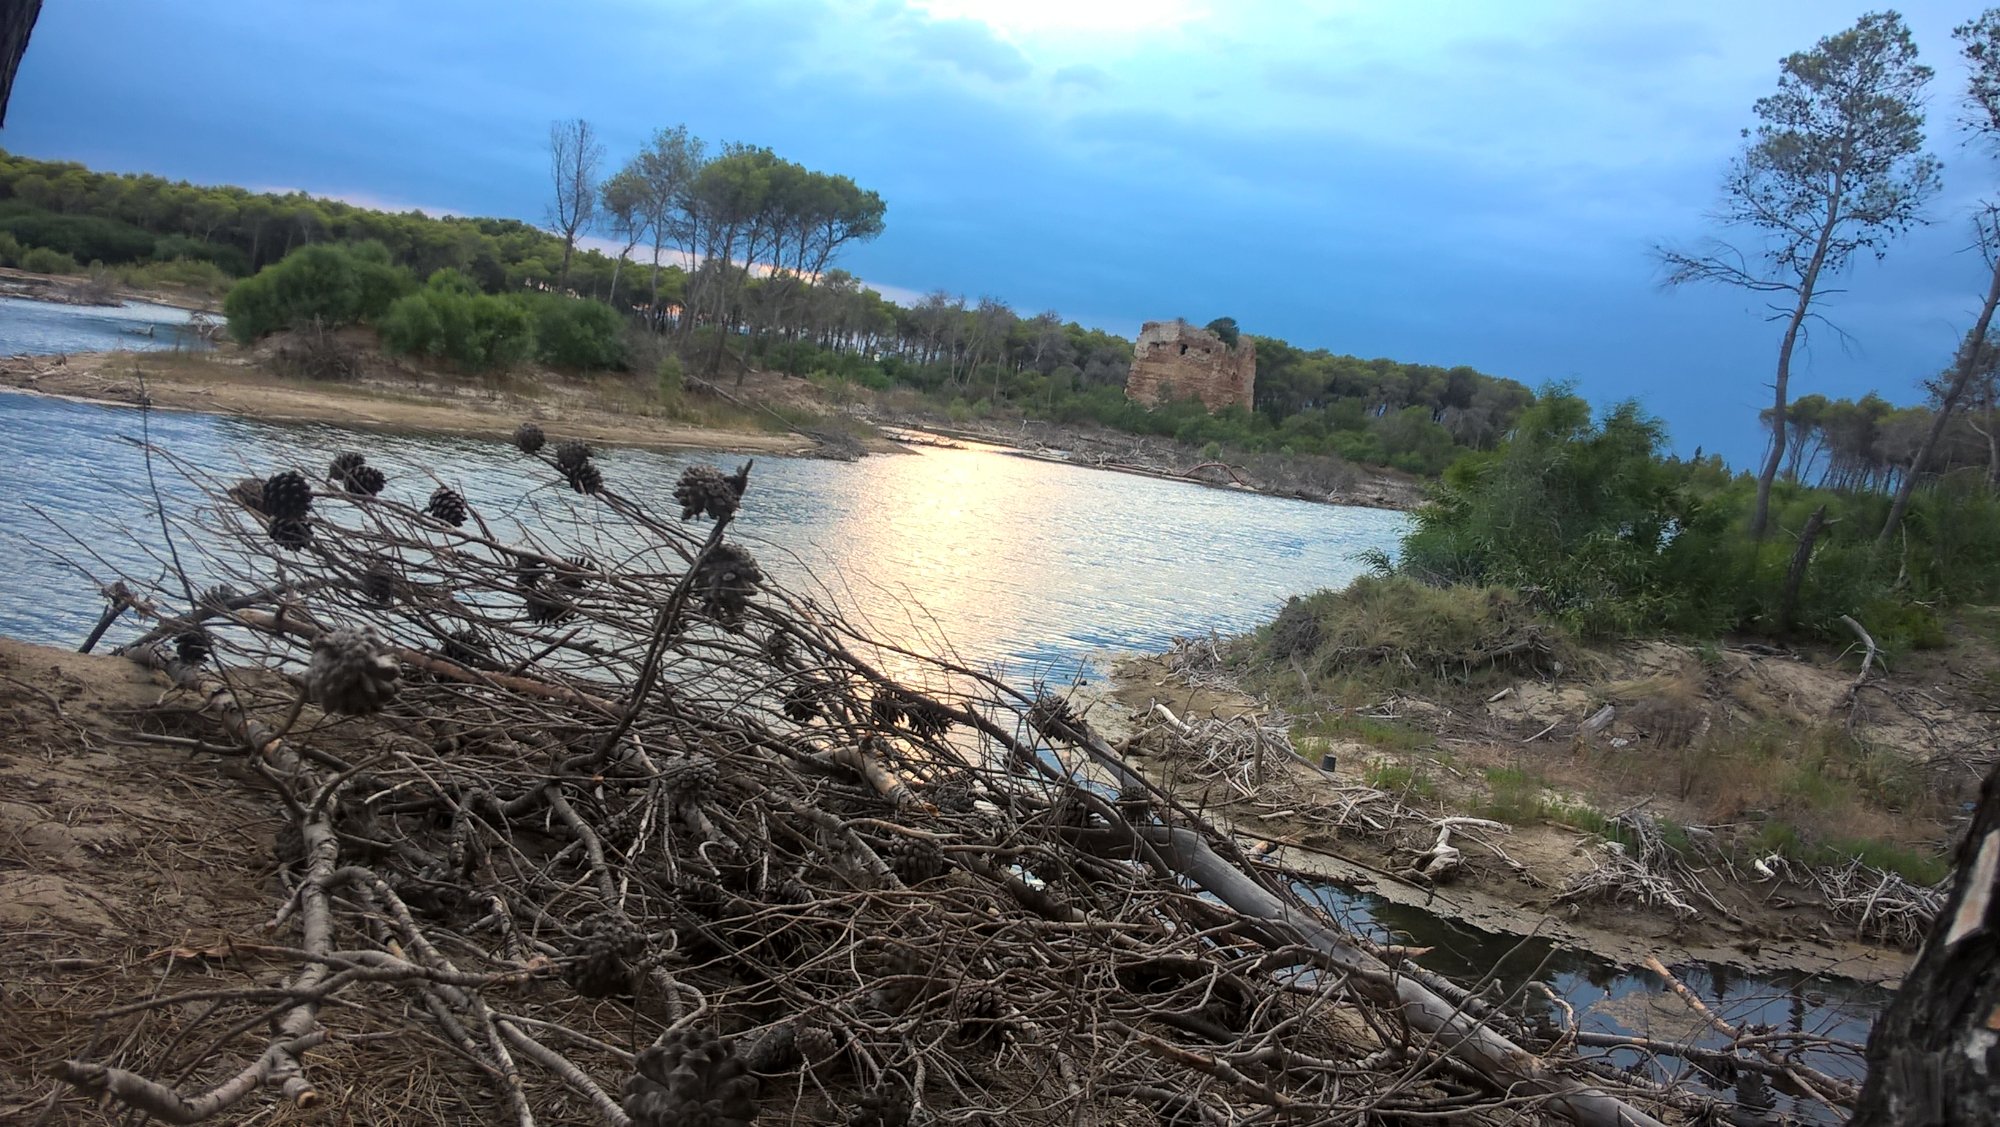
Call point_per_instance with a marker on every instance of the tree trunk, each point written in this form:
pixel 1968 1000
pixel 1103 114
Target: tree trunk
pixel 17 20
pixel 562 279
pixel 1801 559
pixel 1971 358
pixel 1934 1057
pixel 1760 518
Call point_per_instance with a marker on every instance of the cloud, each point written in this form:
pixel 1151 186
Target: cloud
pixel 968 45
pixel 1082 76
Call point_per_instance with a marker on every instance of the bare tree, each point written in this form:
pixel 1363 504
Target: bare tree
pixel 1834 166
pixel 575 155
pixel 17 21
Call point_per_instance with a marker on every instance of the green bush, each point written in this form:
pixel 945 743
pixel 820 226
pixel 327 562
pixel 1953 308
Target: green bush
pixel 42 260
pixel 332 283
pixel 574 333
pixel 673 380
pixel 10 249
pixel 450 320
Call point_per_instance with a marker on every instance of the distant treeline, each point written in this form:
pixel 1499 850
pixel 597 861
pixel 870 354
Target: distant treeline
pixel 974 358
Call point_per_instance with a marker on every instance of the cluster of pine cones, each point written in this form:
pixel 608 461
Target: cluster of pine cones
pixel 573 462
pixel 727 578
pixel 691 1077
pixel 352 472
pixel 285 499
pixel 705 490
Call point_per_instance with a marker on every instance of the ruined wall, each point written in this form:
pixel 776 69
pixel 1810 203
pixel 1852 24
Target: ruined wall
pixel 1175 359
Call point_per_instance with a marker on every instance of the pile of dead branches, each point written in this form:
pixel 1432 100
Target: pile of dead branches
pixel 1881 905
pixel 611 827
pixel 1636 864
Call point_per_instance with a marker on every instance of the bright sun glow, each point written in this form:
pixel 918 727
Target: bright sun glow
pixel 1030 17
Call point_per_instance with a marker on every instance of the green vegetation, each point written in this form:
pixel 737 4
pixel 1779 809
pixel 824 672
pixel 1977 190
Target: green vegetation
pixel 1596 525
pixel 325 283
pixel 1390 631
pixel 1401 779
pixel 450 320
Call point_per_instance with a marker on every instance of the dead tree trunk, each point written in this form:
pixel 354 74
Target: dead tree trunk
pixel 1788 604
pixel 1934 1057
pixel 17 19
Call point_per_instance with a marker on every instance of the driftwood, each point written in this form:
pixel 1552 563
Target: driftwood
pixel 632 795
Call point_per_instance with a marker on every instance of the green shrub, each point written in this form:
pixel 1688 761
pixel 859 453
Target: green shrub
pixel 1392 628
pixel 10 249
pixel 42 260
pixel 450 320
pixel 331 283
pixel 574 333
pixel 672 380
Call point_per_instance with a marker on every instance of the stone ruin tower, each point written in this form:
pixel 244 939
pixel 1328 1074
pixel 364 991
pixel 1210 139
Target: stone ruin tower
pixel 1175 359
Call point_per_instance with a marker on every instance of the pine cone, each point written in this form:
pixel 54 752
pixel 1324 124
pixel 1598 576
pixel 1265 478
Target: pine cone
pixel 571 455
pixel 248 493
pixel 816 1044
pixel 887 707
pixel 291 532
pixel 193 647
pixel 914 859
pixel 978 1009
pixel 352 672
pixel 378 584
pixel 802 701
pixel 343 465
pixel 927 719
pixel 529 438
pixel 703 489
pixel 447 505
pixel 603 971
pixel 691 1079
pixel 366 480
pixel 777 648
pixel 694 778
pixel 529 571
pixel 469 648
pixel 727 578
pixel 286 495
pixel 1053 717
pixel 574 573
pixel 585 478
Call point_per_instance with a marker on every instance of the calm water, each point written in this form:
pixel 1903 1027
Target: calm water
pixel 41 328
pixel 1026 567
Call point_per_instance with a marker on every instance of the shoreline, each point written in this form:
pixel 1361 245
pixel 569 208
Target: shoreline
pixel 224 385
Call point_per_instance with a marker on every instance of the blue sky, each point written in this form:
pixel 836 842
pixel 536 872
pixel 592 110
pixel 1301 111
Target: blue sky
pixel 1451 183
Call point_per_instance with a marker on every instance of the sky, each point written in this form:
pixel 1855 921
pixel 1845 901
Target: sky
pixel 1447 183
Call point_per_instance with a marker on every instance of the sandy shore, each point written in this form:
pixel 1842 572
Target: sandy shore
pixel 229 384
